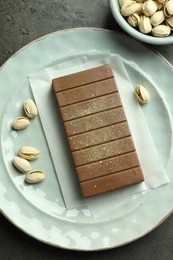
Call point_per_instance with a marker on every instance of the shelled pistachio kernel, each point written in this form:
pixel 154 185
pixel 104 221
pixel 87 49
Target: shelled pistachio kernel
pixel 142 94
pixel 29 153
pixel 21 164
pixel 30 108
pixel 20 123
pixel 35 176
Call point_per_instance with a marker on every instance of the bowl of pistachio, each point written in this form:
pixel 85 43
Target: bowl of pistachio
pixel 149 21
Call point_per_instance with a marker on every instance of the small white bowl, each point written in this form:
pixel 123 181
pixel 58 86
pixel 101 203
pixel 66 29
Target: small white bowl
pixel 134 32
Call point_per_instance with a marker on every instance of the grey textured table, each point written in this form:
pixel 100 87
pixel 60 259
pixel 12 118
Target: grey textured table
pixel 22 21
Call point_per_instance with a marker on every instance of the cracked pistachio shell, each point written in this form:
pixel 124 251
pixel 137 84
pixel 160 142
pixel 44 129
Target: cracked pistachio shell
pixel 149 7
pixel 133 20
pixel 29 153
pixel 168 8
pixel 145 25
pixel 21 164
pixel 169 22
pixel 161 31
pixel 130 8
pixel 30 108
pixel 35 176
pixel 20 123
pixel 141 94
pixel 157 18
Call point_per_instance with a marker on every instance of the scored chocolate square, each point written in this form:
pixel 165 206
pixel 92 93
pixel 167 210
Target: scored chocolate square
pixel 97 130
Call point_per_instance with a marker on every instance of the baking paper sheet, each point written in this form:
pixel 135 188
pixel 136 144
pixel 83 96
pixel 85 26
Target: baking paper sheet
pixel 155 175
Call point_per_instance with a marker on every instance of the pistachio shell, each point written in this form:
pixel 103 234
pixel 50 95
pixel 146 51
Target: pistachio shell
pixel 133 20
pixel 159 6
pixel 169 22
pixel 130 8
pixel 20 123
pixel 35 176
pixel 149 7
pixel 162 1
pixel 21 164
pixel 30 108
pixel 145 25
pixel 168 8
pixel 141 94
pixel 29 153
pixel 161 31
pixel 157 18
pixel 122 2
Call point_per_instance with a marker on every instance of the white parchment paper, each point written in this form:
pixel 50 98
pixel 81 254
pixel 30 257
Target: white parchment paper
pixel 154 173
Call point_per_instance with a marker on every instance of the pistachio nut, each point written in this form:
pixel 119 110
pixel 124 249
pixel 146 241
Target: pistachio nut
pixel 35 176
pixel 161 31
pixel 21 164
pixel 145 25
pixel 131 7
pixel 159 6
pixel 20 123
pixel 157 18
pixel 121 2
pixel 168 8
pixel 133 20
pixel 162 1
pixel 29 153
pixel 141 94
pixel 149 7
pixel 169 22
pixel 30 108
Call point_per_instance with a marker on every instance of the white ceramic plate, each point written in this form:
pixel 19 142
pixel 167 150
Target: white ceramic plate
pixel 39 209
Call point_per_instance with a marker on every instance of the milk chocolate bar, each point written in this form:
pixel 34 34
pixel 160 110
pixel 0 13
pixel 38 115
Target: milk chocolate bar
pixel 97 130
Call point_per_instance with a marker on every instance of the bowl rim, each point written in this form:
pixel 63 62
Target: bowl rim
pixel 132 31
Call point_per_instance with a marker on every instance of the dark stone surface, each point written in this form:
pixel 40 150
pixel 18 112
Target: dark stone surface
pixel 22 21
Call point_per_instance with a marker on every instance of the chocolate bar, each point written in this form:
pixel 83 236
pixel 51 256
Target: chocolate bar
pixel 97 130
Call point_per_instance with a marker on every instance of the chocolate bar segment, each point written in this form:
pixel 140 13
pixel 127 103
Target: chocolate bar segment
pixel 97 129
pixel 95 121
pixel 103 151
pixel 107 166
pixel 110 182
pixel 90 107
pixel 99 136
pixel 100 88
pixel 82 78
